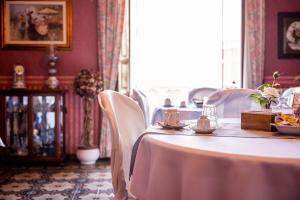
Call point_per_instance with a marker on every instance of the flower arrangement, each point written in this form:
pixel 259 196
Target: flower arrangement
pixel 88 84
pixel 268 93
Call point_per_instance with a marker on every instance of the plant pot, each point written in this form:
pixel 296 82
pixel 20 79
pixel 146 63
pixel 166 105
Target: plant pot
pixel 87 156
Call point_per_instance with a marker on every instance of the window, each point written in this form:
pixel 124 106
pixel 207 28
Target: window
pixel 179 45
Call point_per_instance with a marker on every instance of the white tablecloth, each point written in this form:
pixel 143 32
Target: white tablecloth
pixel 181 167
pixel 188 113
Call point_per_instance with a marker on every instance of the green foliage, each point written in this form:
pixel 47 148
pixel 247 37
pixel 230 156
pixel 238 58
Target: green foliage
pixel 263 86
pixel 263 101
pixel 264 98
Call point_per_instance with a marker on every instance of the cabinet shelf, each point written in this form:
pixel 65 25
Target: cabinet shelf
pixel 32 124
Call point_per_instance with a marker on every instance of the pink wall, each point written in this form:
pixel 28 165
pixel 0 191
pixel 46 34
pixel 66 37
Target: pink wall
pixel 84 49
pixel 290 67
pixel 83 54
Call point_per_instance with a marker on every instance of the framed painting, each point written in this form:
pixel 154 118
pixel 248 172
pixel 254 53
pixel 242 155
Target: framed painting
pixel 289 35
pixel 36 24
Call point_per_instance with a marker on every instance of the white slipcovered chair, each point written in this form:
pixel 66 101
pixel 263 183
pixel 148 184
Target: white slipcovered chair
pixel 142 101
pixel 231 102
pixel 288 94
pixel 1 143
pixel 127 124
pixel 200 92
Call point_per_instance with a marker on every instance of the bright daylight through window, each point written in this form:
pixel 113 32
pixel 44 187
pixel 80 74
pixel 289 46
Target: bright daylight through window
pixel 179 45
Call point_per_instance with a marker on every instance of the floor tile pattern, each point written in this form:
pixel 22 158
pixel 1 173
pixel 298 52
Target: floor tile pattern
pixel 67 181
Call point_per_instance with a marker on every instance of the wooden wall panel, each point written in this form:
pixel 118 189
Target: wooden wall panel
pixel 74 105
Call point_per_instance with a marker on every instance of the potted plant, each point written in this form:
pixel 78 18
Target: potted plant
pixel 268 93
pixel 88 85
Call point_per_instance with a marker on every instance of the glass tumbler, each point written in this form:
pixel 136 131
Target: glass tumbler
pixel 210 111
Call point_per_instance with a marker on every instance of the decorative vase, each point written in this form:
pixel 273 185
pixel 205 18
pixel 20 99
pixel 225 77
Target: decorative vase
pixel 87 156
pixel 52 82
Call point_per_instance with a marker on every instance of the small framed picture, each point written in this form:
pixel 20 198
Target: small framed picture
pixel 289 35
pixel 296 101
pixel 36 24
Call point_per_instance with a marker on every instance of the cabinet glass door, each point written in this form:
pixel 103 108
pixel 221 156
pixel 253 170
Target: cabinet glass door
pixel 61 122
pixel 43 125
pixel 16 125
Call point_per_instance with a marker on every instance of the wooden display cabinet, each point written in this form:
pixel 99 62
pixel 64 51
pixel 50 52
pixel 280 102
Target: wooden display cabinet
pixel 32 124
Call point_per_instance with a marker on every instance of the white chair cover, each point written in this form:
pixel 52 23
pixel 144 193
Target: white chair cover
pixel 1 143
pixel 288 93
pixel 142 101
pixel 127 124
pixel 231 102
pixel 200 92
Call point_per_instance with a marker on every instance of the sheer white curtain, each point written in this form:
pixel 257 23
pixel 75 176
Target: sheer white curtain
pixel 254 44
pixel 176 43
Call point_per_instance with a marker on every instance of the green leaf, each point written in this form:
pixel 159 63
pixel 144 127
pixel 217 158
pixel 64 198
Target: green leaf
pixel 263 86
pixel 254 95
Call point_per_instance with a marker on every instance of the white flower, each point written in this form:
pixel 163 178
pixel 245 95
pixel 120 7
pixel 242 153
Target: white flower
pixel 270 92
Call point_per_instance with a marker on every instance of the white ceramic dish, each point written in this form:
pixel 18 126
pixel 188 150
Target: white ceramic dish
pixel 286 129
pixel 166 126
pixel 167 106
pixel 203 131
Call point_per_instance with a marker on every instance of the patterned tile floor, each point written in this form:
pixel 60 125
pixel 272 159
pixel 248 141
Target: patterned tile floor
pixel 69 180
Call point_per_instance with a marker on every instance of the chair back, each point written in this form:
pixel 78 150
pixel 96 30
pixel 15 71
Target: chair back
pixel 142 101
pixel 231 102
pixel 1 143
pixel 200 92
pixel 127 124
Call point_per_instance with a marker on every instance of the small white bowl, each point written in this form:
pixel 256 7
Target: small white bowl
pixel 203 131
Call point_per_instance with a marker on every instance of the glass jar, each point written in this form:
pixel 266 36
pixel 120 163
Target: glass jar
pixel 282 107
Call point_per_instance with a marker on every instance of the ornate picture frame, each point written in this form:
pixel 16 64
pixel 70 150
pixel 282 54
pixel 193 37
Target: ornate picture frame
pixel 34 24
pixel 289 35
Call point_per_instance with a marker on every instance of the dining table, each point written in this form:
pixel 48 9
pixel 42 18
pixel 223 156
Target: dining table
pixel 185 113
pixel 229 164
